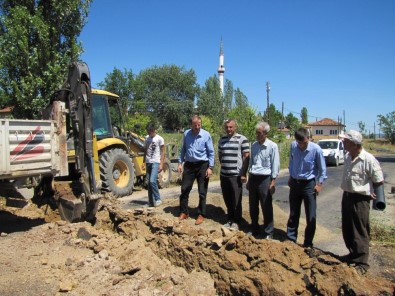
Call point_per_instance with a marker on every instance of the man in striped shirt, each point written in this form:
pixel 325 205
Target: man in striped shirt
pixel 233 154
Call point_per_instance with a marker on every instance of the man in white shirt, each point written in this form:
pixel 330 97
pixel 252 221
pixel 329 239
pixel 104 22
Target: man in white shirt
pixel 362 173
pixel 154 154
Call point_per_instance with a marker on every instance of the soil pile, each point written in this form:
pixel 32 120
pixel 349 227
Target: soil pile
pixel 147 251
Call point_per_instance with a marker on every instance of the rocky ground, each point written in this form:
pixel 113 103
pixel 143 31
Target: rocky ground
pixel 147 251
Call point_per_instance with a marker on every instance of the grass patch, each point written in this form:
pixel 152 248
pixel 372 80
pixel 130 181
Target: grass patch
pixel 382 233
pixel 378 146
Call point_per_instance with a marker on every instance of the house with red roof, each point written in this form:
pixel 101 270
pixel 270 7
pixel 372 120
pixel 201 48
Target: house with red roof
pixel 324 129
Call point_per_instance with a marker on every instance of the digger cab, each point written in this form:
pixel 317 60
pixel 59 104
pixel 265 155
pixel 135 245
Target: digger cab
pixel 107 121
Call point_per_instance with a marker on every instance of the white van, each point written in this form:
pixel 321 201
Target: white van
pixel 333 150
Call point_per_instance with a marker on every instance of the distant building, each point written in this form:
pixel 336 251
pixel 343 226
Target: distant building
pixel 285 131
pixel 324 129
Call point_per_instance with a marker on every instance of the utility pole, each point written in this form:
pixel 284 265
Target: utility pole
pixel 374 130
pixel 267 97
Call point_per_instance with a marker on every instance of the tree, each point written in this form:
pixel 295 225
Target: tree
pixel 228 96
pixel 361 126
pixel 241 100
pixel 304 115
pixel 166 93
pixel 291 122
pixel 122 84
pixel 275 117
pixel 387 124
pixel 210 102
pixel 38 42
pixel 246 121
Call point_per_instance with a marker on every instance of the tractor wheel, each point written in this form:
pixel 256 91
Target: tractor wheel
pixel 116 172
pixel 164 177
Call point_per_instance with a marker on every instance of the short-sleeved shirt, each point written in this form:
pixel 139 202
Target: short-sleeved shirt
pixel 360 174
pixel 232 150
pixel 152 146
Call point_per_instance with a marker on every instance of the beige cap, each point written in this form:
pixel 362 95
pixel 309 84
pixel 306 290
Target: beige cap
pixel 353 136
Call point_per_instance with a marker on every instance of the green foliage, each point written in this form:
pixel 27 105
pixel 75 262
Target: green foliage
pixel 284 151
pixel 137 123
pixel 246 121
pixel 38 42
pixel 228 96
pixel 304 115
pixel 241 100
pixel 387 125
pixel 122 84
pixel 208 125
pixel 210 102
pixel 361 126
pixel 292 123
pixel 168 93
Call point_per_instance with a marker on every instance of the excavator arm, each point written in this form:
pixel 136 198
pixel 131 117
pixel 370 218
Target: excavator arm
pixel 81 201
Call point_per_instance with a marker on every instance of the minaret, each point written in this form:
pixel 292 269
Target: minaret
pixel 221 68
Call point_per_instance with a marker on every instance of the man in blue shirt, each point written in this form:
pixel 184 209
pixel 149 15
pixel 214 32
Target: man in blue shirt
pixel 264 167
pixel 307 172
pixel 197 154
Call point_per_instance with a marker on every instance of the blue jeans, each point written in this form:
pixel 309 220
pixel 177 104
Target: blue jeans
pixel 152 178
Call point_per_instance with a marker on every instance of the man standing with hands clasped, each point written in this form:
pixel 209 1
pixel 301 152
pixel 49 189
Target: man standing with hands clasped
pixel 264 167
pixel 307 172
pixel 233 154
pixel 362 173
pixel 197 154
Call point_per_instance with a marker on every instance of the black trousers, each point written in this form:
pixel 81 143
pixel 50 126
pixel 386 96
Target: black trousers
pixel 259 193
pixel 232 190
pixel 356 226
pixel 194 171
pixel 302 191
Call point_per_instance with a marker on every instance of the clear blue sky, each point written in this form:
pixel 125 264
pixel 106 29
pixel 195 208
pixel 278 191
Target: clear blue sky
pixel 333 57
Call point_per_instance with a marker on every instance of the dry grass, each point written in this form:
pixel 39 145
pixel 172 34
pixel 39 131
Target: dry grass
pixel 378 146
pixel 382 233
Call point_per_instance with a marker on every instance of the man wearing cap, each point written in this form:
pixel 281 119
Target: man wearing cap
pixel 362 172
pixel 307 172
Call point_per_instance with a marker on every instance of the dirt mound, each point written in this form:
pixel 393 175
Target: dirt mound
pixel 147 251
pixel 242 265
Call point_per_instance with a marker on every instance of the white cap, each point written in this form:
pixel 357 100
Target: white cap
pixel 353 136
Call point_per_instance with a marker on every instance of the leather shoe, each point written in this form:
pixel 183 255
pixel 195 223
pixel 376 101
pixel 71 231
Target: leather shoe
pixel 183 216
pixel 199 220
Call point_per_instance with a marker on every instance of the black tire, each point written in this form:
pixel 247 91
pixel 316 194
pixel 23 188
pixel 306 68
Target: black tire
pixel 164 177
pixel 116 172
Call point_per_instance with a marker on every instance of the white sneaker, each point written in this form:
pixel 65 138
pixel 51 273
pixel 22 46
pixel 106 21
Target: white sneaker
pixel 234 226
pixel 157 203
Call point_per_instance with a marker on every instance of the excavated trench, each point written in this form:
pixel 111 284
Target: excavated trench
pixel 239 264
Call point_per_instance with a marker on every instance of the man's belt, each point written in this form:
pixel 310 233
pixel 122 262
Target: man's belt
pixel 302 181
